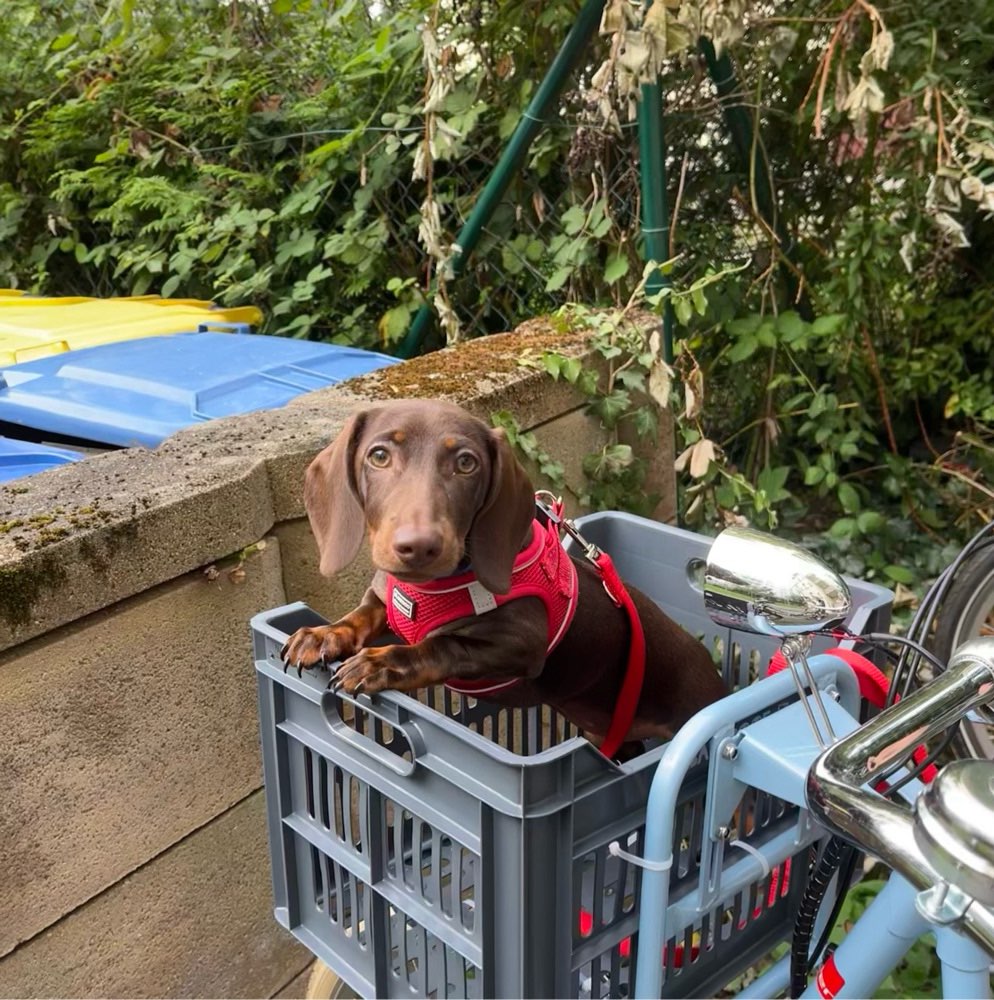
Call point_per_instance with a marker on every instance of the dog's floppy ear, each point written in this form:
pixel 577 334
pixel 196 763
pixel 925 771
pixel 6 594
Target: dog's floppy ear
pixel 331 497
pixel 501 524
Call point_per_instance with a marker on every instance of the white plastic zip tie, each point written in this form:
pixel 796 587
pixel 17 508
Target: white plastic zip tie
pixel 757 854
pixel 654 866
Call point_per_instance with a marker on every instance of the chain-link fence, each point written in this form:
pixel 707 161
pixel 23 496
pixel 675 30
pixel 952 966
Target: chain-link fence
pixel 141 172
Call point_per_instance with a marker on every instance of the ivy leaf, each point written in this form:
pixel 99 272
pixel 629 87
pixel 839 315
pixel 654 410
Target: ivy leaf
pixel 612 460
pixel 766 335
pixel 899 574
pixel 682 309
pixel 612 407
pixel 631 378
pixel 747 324
pixel 827 324
pixel 558 279
pixel 842 528
pixel 870 522
pixel 849 498
pixel 571 369
pixel 771 483
pixel 790 326
pixel 574 219
pixel 553 364
pixel 726 496
pixel 588 382
pixel 617 267
pixel 393 323
pixel 646 422
pixel 743 348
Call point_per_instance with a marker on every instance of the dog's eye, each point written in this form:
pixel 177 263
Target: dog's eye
pixel 467 463
pixel 379 458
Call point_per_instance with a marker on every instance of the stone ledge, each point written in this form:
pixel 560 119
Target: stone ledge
pixel 79 538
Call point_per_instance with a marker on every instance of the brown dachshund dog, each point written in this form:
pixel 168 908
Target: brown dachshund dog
pixel 433 486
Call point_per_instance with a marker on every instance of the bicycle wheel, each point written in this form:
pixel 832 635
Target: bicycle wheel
pixel 323 984
pixel 966 612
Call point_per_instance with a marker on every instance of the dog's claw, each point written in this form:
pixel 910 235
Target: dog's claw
pixel 359 688
pixel 300 669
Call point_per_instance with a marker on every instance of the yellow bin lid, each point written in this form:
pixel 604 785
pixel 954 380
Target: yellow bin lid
pixel 19 298
pixel 40 330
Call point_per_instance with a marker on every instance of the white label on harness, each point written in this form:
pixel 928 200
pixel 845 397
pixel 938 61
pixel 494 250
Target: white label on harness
pixel 403 603
pixel 483 600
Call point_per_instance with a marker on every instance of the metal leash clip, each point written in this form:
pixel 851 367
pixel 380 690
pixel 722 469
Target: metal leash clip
pixel 552 507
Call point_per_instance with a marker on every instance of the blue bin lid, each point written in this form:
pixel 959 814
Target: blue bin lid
pixel 138 392
pixel 24 458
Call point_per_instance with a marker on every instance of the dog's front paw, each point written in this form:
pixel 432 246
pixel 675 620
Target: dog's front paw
pixel 317 647
pixel 371 670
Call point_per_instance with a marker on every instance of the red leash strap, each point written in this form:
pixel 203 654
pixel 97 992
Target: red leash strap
pixel 631 687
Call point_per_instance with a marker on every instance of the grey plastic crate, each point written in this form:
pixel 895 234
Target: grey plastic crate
pixel 668 564
pixel 443 846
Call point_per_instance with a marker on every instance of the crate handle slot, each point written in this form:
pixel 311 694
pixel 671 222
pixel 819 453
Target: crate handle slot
pixel 401 762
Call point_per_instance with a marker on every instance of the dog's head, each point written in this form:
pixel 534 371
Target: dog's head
pixel 431 483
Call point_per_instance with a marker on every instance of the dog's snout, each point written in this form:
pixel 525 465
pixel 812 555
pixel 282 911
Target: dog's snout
pixel 417 546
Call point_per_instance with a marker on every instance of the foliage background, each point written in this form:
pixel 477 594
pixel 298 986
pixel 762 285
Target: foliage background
pixel 318 158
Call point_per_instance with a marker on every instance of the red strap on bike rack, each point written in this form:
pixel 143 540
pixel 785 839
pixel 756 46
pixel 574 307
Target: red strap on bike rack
pixel 873 686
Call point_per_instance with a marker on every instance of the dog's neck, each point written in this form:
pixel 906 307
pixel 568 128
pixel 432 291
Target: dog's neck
pixel 466 563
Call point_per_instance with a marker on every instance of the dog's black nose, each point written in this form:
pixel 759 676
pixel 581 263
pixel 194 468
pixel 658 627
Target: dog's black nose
pixel 417 546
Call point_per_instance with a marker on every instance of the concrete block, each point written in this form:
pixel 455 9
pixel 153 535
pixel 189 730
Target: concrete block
pixel 123 734
pixel 303 582
pixel 95 532
pixel 195 922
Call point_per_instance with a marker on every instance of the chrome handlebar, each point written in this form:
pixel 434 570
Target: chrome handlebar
pixel 836 795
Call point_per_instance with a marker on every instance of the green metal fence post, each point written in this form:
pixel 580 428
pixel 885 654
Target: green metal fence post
pixel 514 153
pixel 655 211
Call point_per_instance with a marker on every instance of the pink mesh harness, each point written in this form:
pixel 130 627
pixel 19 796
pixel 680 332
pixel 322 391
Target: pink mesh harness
pixel 542 569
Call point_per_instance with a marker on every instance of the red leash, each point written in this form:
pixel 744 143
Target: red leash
pixel 631 687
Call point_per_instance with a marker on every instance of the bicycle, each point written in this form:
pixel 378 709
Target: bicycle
pixel 963 610
pixel 941 848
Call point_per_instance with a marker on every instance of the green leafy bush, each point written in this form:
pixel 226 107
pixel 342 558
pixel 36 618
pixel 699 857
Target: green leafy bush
pixel 318 160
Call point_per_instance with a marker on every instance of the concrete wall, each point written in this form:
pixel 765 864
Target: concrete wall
pixel 133 858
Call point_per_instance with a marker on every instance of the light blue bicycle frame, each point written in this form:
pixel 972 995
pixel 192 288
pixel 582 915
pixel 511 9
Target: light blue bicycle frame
pixel 882 936
pixel 775 754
